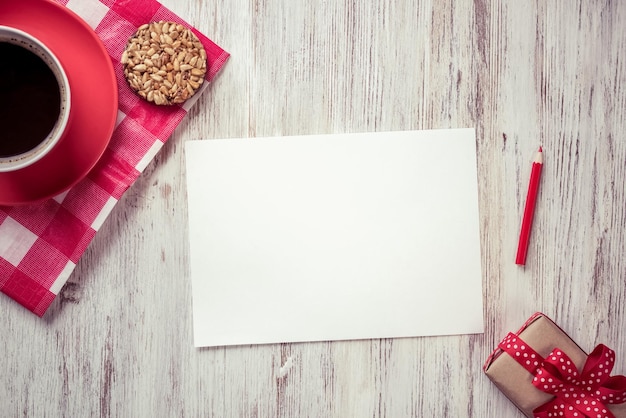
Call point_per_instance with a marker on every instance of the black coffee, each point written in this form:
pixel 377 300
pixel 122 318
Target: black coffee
pixel 30 100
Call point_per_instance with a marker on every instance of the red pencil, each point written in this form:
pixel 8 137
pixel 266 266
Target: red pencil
pixel 529 210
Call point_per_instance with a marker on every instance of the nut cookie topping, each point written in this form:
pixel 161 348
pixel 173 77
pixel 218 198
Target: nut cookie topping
pixel 164 62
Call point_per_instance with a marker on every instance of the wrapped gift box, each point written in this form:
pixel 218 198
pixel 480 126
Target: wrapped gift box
pixel 536 355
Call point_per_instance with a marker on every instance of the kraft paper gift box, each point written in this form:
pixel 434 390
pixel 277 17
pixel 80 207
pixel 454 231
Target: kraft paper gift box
pixel 546 374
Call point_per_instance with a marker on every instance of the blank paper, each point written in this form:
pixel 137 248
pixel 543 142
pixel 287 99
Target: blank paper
pixel 334 237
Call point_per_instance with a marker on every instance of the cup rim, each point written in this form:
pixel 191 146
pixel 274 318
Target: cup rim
pixel 27 158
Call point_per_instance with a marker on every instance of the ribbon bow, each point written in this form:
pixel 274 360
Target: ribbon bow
pixel 579 394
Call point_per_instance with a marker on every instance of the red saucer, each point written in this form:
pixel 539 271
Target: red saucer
pixel 94 100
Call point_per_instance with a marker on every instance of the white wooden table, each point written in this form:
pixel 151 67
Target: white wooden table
pixel 118 340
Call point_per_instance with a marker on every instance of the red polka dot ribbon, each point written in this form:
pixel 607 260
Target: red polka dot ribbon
pixel 577 394
pixel 522 352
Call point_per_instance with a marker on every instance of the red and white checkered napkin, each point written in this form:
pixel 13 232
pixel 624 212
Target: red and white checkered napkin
pixel 41 244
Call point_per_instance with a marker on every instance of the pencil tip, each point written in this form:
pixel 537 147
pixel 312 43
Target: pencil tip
pixel 540 148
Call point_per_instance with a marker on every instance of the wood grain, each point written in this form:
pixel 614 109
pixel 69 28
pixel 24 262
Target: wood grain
pixel 118 340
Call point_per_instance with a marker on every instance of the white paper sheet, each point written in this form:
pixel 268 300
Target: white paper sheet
pixel 334 237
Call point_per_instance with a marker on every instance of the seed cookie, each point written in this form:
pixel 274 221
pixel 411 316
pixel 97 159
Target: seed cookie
pixel 164 62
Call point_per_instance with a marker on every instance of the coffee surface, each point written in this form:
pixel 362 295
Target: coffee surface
pixel 30 100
